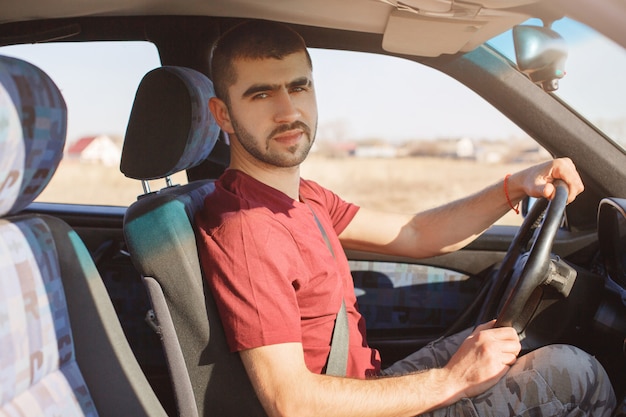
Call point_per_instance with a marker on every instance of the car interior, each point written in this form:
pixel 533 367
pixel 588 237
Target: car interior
pixel 105 309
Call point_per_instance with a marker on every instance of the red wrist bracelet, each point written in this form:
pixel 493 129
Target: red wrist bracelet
pixel 506 193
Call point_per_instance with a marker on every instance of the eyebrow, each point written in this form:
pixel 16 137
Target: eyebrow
pixel 259 88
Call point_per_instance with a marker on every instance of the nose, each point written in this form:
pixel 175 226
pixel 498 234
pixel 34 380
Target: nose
pixel 286 109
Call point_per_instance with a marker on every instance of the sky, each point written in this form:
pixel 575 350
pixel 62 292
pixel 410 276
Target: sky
pixel 359 96
pixel 399 100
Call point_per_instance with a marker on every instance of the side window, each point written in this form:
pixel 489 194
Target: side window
pixel 397 297
pixel 399 136
pixel 98 81
pixel 403 137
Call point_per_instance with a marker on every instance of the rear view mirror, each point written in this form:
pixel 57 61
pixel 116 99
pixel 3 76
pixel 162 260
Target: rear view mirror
pixel 540 53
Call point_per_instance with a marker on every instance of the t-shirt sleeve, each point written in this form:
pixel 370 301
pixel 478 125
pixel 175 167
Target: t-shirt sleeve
pixel 252 273
pixel 340 211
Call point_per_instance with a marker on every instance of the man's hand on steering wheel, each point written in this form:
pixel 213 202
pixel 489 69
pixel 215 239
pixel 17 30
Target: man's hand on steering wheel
pixel 538 181
pixel 527 266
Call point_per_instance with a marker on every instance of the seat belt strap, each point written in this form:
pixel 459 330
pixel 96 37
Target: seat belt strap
pixel 338 357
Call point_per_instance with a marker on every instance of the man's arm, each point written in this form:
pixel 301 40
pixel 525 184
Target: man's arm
pixel 454 225
pixel 286 387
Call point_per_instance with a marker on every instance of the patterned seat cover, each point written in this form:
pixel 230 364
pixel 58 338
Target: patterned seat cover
pixel 41 373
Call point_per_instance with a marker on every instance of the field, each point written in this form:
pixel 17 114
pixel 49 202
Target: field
pixel 395 184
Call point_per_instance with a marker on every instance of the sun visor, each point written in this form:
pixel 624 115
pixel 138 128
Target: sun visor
pixel 411 32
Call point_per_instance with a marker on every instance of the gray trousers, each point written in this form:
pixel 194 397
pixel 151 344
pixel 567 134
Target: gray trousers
pixel 556 380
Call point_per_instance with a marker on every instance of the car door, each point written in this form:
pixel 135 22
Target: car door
pixel 435 142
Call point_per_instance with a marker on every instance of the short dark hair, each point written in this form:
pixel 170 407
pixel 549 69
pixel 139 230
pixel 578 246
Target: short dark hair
pixel 253 39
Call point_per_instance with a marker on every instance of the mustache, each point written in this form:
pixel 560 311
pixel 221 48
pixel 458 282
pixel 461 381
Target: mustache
pixel 291 126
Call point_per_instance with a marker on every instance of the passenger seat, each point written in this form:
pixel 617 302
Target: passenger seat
pixel 63 351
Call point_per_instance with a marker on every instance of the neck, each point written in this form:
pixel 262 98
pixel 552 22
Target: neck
pixel 286 180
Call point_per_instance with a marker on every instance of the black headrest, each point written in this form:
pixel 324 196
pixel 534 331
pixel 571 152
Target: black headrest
pixel 170 128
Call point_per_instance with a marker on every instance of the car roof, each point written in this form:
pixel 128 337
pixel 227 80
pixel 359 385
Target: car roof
pixel 412 27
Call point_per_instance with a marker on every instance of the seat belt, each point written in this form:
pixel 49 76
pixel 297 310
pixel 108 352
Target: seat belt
pixel 338 356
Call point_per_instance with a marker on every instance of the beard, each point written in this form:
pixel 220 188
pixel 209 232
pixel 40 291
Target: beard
pixel 262 151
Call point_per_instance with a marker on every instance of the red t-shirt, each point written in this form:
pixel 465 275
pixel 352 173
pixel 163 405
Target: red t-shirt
pixel 272 275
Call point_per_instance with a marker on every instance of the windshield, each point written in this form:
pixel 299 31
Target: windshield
pixel 593 84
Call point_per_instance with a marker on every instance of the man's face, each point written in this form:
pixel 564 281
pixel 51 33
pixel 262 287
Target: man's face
pixel 273 110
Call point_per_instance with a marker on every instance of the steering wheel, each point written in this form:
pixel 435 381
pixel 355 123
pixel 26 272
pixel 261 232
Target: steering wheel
pixel 523 270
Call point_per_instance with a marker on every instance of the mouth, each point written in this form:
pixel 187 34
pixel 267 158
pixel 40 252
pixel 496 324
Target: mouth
pixel 290 137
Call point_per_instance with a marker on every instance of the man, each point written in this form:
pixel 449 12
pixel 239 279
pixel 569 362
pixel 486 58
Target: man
pixel 278 287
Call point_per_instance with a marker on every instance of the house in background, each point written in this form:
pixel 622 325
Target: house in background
pixel 95 149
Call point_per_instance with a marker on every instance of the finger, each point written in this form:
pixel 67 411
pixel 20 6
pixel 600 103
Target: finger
pixel 574 190
pixel 549 191
pixel 509 359
pixel 507 352
pixel 511 346
pixel 566 170
pixel 484 326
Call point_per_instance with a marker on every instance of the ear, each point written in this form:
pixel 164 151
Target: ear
pixel 221 114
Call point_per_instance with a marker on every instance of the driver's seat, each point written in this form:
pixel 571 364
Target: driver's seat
pixel 171 130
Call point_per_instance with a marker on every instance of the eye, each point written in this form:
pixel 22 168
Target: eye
pixel 299 89
pixel 260 96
